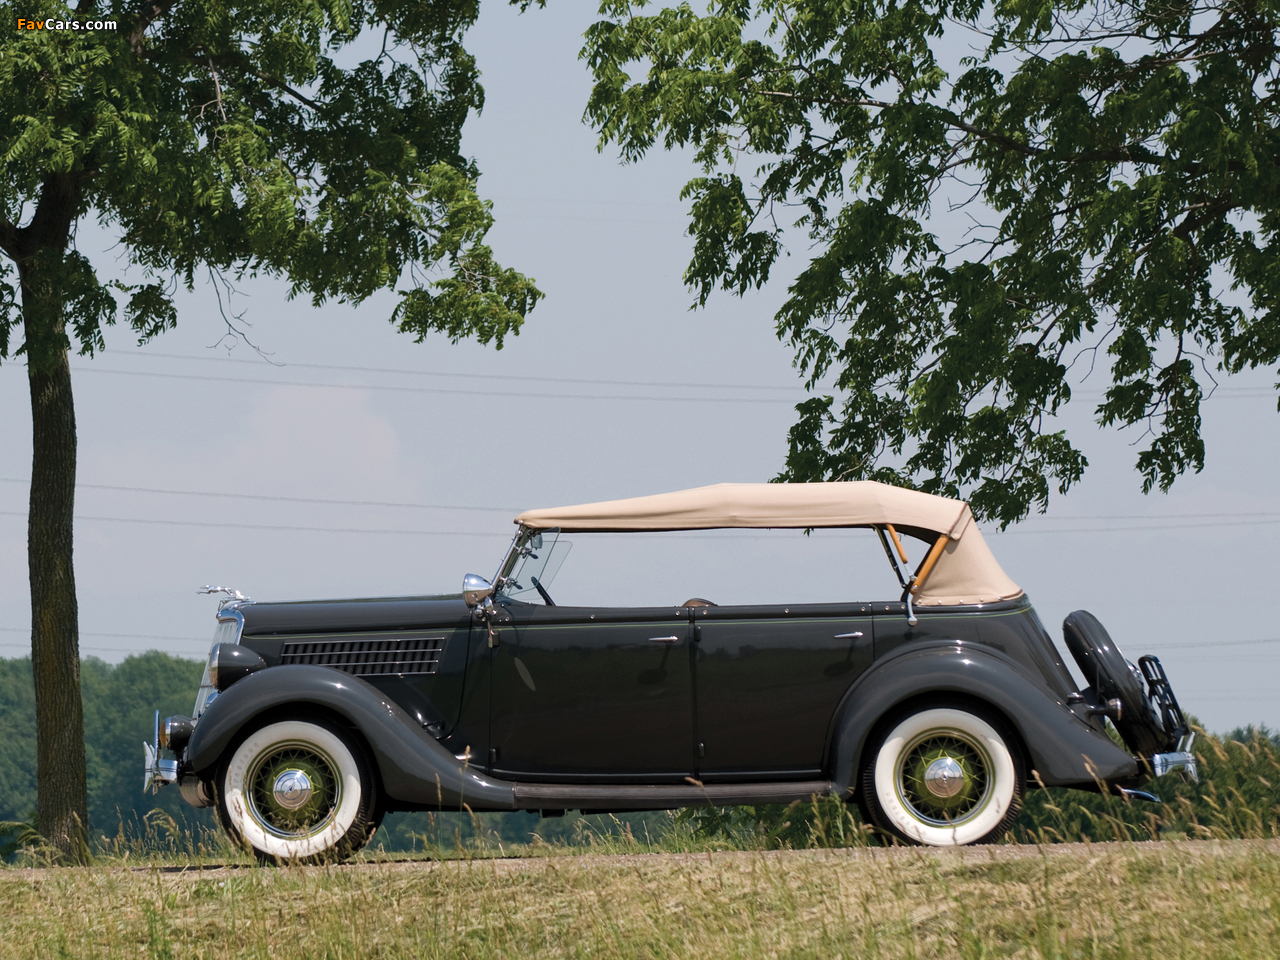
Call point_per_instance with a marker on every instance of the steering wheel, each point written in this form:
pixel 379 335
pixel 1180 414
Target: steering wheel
pixel 542 591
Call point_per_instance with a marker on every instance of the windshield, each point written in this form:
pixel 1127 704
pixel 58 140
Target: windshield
pixel 537 559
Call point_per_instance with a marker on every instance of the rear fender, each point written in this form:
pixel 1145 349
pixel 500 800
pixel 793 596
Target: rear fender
pixel 1061 748
pixel 415 769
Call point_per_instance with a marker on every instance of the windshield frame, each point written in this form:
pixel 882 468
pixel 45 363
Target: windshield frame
pixel 519 549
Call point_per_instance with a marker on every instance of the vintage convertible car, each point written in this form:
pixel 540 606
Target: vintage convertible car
pixel 934 712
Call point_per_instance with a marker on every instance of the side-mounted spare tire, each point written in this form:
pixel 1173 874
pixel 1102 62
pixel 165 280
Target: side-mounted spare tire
pixel 297 791
pixel 1113 677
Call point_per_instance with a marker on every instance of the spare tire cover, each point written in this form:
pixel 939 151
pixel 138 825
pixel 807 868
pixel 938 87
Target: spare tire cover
pixel 1111 675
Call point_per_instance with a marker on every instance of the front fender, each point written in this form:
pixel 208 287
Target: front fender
pixel 1062 748
pixel 415 769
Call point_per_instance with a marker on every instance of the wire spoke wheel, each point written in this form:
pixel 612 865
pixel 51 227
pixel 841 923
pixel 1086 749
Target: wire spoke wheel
pixel 294 790
pixel 945 776
pixel 298 791
pixel 943 779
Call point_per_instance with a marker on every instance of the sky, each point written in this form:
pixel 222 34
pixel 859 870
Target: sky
pixel 352 461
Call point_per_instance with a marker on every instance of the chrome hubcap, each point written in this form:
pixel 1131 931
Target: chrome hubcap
pixel 292 789
pixel 943 777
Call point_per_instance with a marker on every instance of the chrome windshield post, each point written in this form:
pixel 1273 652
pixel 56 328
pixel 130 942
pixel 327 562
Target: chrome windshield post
pixel 511 556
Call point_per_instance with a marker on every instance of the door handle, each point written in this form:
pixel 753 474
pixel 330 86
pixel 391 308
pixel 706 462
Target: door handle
pixel 665 639
pixel 848 636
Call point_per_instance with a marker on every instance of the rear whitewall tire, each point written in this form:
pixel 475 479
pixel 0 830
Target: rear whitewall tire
pixel 336 822
pixel 986 803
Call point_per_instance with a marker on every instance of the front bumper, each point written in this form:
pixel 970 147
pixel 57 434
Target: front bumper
pixel 156 771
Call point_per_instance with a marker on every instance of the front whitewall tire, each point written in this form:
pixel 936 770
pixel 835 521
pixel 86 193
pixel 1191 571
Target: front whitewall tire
pixel 996 794
pixel 339 824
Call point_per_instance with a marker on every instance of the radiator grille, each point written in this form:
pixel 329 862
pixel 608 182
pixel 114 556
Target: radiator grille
pixel 369 657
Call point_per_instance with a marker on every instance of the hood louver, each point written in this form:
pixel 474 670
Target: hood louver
pixel 403 656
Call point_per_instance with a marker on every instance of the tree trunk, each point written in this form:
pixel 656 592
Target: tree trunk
pixel 62 799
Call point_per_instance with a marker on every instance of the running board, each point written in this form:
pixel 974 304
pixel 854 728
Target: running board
pixel 565 796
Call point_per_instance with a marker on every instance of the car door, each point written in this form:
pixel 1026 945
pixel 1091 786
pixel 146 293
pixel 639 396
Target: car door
pixel 591 694
pixel 768 680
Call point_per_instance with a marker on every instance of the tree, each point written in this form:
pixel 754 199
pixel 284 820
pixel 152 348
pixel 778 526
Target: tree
pixel 313 140
pixel 1073 192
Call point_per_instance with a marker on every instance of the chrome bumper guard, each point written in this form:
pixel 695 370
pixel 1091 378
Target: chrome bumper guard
pixel 1183 760
pixel 1163 763
pixel 156 772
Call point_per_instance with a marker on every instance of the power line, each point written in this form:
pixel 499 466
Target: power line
pixel 684 534
pixel 512 510
pixel 464 376
pixel 1162 526
pixel 432 390
pixel 185 655
pixel 272 526
pixel 1141 516
pixel 1213 644
pixel 119 636
pixel 1089 395
pixel 258 496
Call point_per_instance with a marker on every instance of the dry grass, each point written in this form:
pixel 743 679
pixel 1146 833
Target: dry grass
pixel 1165 900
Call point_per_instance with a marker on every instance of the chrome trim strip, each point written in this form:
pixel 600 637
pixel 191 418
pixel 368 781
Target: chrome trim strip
pixel 1139 795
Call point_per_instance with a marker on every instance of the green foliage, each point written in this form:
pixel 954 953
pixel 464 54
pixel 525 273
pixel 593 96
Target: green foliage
pixel 820 823
pixel 1237 796
pixel 313 140
pixel 453 833
pixel 1110 168
pixel 119 710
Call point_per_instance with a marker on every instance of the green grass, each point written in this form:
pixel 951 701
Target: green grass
pixel 1165 900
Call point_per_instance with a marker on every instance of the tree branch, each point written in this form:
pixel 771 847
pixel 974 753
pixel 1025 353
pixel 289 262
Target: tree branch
pixel 151 12
pixel 244 65
pixel 50 224
pixel 1130 153
pixel 9 239
pixel 282 86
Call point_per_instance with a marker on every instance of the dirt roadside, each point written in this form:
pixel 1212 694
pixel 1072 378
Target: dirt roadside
pixel 976 855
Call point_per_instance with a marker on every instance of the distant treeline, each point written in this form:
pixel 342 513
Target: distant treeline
pixel 1238 794
pixel 119 716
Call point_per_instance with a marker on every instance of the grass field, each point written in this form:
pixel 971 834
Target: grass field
pixel 1189 899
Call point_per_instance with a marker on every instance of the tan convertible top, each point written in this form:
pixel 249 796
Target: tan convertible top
pixel 964 571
